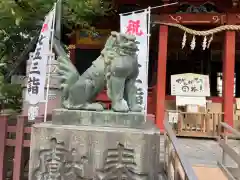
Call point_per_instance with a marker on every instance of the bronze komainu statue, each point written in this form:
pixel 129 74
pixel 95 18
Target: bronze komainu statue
pixel 116 68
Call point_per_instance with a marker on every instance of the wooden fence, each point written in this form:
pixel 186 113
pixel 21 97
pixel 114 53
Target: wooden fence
pixel 195 124
pixel 176 164
pixel 14 146
pixel 233 173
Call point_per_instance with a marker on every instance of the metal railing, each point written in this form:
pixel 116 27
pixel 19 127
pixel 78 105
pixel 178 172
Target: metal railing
pixel 232 173
pixel 176 164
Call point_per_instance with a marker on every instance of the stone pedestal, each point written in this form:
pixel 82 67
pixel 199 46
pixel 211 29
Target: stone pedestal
pixel 75 152
pixel 101 118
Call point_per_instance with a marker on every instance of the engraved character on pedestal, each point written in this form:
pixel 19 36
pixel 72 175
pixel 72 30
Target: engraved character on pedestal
pixel 119 164
pixel 58 163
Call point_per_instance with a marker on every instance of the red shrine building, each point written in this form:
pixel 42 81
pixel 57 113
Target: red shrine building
pixel 194 36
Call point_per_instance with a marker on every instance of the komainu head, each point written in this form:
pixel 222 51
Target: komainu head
pixel 121 42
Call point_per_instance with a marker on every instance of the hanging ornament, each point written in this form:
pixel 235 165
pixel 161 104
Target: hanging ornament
pixel 209 41
pixel 193 43
pixel 184 40
pixel 204 43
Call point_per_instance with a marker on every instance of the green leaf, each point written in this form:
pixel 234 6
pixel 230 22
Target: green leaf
pixel 26 17
pixel 13 12
pixel 18 20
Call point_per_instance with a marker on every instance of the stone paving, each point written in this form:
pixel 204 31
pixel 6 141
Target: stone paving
pixel 204 151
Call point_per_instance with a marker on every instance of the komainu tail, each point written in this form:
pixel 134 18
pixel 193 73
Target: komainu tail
pixel 68 74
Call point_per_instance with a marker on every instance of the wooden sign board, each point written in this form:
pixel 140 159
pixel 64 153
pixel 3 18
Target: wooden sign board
pixel 190 84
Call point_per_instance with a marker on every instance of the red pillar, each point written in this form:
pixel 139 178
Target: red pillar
pixel 161 75
pixel 228 76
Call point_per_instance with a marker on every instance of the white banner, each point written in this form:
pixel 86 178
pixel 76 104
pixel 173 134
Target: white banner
pixel 190 84
pixel 32 112
pixel 137 24
pixel 188 100
pixel 38 68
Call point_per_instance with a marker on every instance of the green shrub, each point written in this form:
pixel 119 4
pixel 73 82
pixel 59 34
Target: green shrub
pixel 11 96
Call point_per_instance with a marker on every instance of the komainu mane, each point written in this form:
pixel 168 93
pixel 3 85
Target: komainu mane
pixel 116 68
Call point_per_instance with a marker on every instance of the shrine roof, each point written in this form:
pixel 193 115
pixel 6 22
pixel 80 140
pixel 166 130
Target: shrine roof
pixel 184 6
